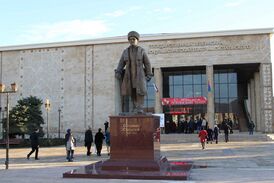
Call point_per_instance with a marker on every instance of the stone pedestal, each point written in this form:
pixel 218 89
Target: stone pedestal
pixel 134 153
pixel 135 143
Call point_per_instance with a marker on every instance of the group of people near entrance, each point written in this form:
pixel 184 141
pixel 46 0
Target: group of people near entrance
pixel 70 142
pixel 207 135
pixel 188 125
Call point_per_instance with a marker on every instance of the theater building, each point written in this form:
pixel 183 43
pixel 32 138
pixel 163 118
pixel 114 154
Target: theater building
pixel 217 75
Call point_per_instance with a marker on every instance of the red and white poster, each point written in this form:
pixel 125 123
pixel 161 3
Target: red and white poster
pixel 184 101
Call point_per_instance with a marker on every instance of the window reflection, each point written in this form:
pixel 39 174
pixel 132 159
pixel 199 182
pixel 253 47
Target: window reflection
pixel 178 91
pixel 204 79
pixel 232 77
pixel 178 80
pixel 232 90
pixel 197 90
pixel 216 90
pixel 188 78
pixel 197 78
pixel 188 91
pixel 223 77
pixel 223 90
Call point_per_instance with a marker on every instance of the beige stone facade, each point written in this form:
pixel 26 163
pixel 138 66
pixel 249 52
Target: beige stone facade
pixel 78 77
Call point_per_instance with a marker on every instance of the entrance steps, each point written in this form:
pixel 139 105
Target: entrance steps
pixel 236 136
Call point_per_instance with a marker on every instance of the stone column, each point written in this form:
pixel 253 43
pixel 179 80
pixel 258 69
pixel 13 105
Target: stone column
pixel 89 100
pixel 252 100
pixel 210 96
pixel 158 95
pixel 257 106
pixel 266 97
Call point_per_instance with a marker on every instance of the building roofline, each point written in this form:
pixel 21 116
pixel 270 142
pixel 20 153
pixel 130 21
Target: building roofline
pixel 144 37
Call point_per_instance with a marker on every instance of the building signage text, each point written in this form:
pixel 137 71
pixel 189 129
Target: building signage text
pixel 202 46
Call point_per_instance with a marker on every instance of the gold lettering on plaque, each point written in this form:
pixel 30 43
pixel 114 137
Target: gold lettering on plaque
pixel 129 128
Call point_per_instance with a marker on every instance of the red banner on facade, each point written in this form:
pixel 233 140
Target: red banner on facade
pixel 184 101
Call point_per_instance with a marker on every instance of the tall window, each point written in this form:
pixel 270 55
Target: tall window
pixel 225 94
pixel 149 102
pixel 185 84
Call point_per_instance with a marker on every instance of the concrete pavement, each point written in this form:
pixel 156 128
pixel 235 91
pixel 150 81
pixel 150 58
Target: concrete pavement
pixel 248 161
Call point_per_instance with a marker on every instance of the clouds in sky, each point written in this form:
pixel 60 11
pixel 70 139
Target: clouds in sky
pixel 119 13
pixel 72 30
pixel 234 3
pixel 164 10
pixel 65 30
pixel 116 13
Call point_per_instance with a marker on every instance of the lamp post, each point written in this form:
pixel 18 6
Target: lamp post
pixel 47 106
pixel 2 114
pixel 59 122
pixel 3 89
pixel 1 136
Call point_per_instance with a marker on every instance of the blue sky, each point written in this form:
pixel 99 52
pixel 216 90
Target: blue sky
pixel 44 21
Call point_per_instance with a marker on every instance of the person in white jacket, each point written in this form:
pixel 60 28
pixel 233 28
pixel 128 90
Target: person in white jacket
pixel 70 145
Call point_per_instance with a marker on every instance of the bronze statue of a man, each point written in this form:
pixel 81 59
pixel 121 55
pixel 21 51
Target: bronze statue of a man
pixel 137 72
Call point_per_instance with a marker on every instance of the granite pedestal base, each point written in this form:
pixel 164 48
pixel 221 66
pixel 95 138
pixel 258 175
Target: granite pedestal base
pixel 134 153
pixel 175 170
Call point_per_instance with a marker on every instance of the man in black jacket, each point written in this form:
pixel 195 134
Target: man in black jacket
pixel 88 140
pixel 99 137
pixel 34 141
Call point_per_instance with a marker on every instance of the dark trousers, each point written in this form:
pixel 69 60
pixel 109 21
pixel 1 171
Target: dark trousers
pixel 226 137
pixel 36 149
pixel 99 148
pixel 70 155
pixel 216 138
pixel 88 150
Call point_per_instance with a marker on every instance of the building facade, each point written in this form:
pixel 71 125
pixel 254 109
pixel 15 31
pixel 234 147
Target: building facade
pixel 230 70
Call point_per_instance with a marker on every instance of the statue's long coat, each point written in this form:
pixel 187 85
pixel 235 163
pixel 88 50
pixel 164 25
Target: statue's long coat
pixel 143 69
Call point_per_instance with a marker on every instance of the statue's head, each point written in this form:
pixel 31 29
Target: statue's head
pixel 133 38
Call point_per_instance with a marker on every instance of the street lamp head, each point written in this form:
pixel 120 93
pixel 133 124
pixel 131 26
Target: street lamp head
pixel 47 104
pixel 2 87
pixel 13 87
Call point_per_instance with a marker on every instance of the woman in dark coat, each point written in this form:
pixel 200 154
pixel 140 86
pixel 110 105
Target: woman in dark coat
pixel 99 137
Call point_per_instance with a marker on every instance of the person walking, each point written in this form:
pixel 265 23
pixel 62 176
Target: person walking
pixel 88 140
pixel 70 145
pixel 204 124
pixel 209 135
pixel 203 136
pixel 251 127
pixel 34 141
pixel 106 125
pixel 226 131
pixel 107 139
pixel 216 133
pixel 99 137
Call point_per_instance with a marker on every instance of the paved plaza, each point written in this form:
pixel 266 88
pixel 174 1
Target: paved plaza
pixel 247 161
